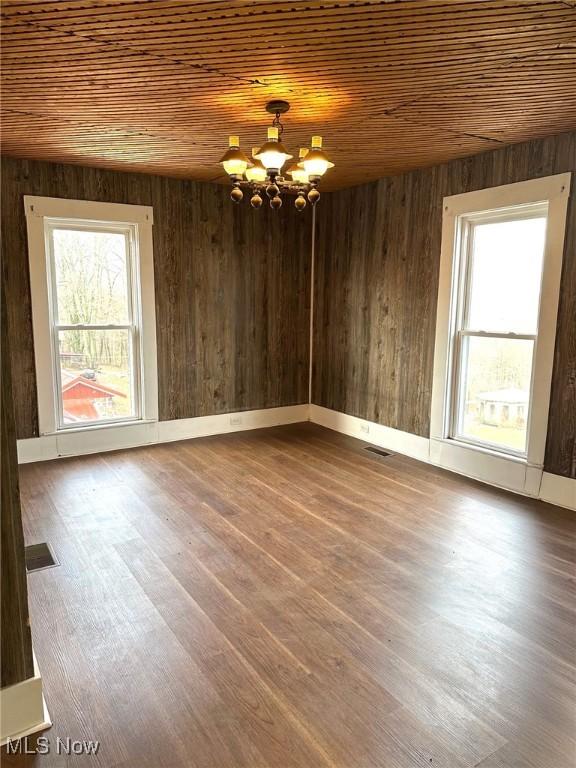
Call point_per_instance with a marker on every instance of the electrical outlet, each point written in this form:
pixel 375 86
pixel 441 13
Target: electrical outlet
pixel 235 421
pixel 365 428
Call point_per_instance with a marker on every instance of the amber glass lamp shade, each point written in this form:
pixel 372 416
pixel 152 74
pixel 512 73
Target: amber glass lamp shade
pixel 296 171
pixel 273 154
pixel 256 172
pixel 234 160
pixel 316 162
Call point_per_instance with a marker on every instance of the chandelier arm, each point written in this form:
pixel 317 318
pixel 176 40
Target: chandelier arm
pixel 282 183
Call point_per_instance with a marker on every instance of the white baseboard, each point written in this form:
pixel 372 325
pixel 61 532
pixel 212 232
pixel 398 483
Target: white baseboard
pixel 111 438
pixel 558 490
pixel 204 426
pixel 510 474
pixel 23 709
pixel 371 432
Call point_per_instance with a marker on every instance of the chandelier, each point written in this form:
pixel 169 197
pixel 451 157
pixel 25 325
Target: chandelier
pixel 262 174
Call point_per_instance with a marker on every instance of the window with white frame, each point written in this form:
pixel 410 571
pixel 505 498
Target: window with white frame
pixel 500 270
pixel 93 311
pixel 500 257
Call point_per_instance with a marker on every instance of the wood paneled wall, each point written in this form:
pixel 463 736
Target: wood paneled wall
pixel 378 256
pixel 15 638
pixel 232 289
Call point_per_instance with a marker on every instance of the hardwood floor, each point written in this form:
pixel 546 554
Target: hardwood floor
pixel 283 598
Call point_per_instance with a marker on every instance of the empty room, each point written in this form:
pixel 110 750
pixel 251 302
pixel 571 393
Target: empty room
pixel 288 355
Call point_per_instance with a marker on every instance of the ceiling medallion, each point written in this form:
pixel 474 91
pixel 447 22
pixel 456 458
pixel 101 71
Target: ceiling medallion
pixel 262 173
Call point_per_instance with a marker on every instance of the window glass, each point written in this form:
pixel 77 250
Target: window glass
pixel 96 375
pixel 495 390
pixel 98 379
pixel 91 277
pixel 505 275
pixel 501 260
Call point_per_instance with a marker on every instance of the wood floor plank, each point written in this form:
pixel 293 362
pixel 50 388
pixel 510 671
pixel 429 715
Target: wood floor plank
pixel 281 598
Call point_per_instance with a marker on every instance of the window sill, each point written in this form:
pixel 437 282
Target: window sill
pixel 485 449
pixel 96 438
pixel 91 428
pixel 502 469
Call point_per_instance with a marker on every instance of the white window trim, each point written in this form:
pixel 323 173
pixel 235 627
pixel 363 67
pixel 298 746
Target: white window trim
pixel 454 454
pixel 138 217
pixel 461 287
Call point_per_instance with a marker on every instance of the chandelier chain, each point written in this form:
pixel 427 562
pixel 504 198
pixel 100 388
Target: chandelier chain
pixel 277 123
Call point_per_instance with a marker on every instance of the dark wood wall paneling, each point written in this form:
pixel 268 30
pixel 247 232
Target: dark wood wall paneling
pixel 378 257
pixel 232 289
pixel 15 638
pixel 232 294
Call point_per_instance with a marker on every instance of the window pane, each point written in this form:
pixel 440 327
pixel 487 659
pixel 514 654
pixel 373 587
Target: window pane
pixel 96 375
pixel 91 281
pixel 506 270
pixel 495 391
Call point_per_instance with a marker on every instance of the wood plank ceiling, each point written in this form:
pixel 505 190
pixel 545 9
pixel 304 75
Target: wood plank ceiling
pixel 157 85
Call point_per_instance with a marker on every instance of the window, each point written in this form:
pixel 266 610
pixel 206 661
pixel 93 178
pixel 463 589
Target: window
pixel 498 295
pixel 93 312
pixel 94 329
pixel 500 269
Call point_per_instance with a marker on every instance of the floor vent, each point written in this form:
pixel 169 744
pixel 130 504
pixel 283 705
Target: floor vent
pixel 377 451
pixel 38 557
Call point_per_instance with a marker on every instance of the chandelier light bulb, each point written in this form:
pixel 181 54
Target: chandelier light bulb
pixel 234 160
pixel 316 162
pixel 296 171
pixel 273 154
pixel 256 172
